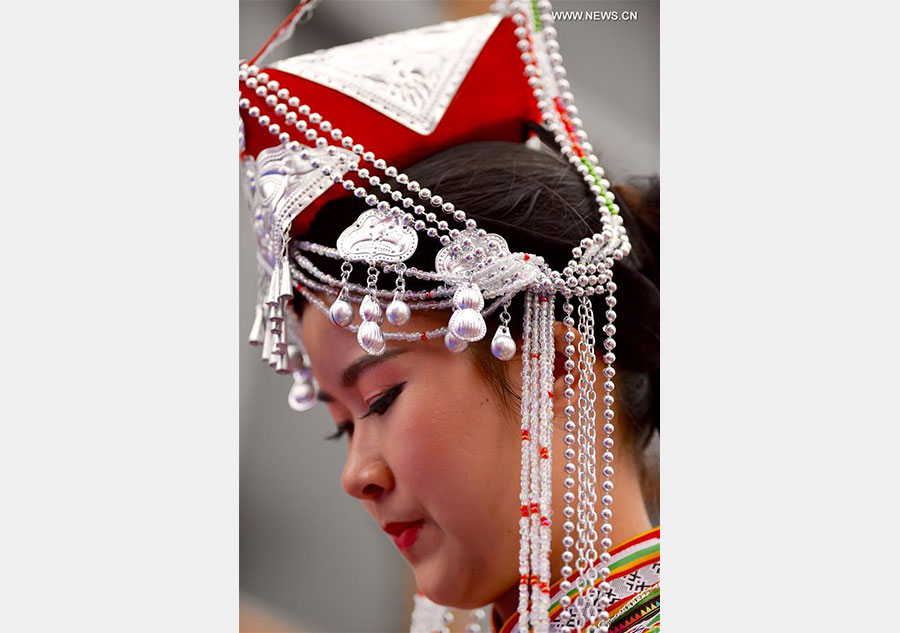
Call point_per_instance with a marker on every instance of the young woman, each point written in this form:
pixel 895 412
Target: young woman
pixel 433 436
pixel 489 462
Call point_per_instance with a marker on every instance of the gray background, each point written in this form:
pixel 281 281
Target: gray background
pixel 311 555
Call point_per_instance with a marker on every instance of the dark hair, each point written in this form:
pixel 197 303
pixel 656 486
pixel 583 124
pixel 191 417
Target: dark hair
pixel 541 205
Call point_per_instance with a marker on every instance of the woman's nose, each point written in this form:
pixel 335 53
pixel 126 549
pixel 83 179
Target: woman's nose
pixel 366 476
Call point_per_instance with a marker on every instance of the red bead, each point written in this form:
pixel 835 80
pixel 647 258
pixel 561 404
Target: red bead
pixel 526 257
pixel 424 337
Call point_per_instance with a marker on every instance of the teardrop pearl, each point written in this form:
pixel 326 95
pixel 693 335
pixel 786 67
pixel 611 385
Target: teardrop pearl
pixel 468 324
pixel 341 312
pixel 398 312
pixel 503 346
pixel 371 338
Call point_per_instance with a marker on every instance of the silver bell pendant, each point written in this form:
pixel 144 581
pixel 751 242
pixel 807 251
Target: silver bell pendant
pixel 503 346
pixel 397 311
pixel 370 309
pixel 371 338
pixel 468 324
pixel 341 311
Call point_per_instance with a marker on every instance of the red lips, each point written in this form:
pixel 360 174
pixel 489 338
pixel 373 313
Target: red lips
pixel 404 533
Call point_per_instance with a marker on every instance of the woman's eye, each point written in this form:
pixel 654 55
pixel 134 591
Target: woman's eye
pixel 344 428
pixel 383 402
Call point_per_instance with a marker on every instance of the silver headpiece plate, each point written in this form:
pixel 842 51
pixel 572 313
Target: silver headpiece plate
pixel 410 76
pixel 487 261
pixel 279 184
pixel 379 236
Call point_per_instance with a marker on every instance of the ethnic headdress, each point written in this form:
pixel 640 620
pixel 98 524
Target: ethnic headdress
pixel 346 122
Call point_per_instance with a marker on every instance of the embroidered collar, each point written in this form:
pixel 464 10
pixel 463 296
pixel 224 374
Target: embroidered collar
pixel 635 587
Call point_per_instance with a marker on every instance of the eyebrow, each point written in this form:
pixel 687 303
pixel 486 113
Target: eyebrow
pixel 354 370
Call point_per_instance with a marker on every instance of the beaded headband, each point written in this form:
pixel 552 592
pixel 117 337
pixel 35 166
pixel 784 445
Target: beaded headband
pixel 407 96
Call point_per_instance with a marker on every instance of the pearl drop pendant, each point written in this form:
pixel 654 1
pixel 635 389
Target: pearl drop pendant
pixel 503 346
pixel 397 311
pixel 341 312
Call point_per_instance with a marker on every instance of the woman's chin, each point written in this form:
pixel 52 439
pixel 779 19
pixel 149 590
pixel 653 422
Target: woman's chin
pixel 446 586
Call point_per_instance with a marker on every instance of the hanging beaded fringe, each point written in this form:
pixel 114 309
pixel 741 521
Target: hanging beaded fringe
pixel 536 491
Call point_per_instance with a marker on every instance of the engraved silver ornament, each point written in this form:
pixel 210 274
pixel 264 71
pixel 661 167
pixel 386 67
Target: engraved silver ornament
pixel 371 338
pixel 370 309
pixel 377 236
pixel 468 324
pixel 468 296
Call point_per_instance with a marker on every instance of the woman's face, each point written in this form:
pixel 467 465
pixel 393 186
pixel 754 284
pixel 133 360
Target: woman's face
pixel 432 453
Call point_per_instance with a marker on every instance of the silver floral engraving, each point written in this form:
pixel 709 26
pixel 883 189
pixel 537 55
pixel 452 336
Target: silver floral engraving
pixel 410 76
pixel 487 261
pixel 377 236
pixel 279 185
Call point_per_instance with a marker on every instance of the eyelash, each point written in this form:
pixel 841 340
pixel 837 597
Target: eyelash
pixel 345 428
pixel 378 407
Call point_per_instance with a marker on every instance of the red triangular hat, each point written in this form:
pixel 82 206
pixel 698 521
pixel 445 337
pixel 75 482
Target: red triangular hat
pixel 403 97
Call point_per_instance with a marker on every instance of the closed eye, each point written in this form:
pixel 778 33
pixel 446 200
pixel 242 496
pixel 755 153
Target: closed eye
pixel 379 406
pixel 383 402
